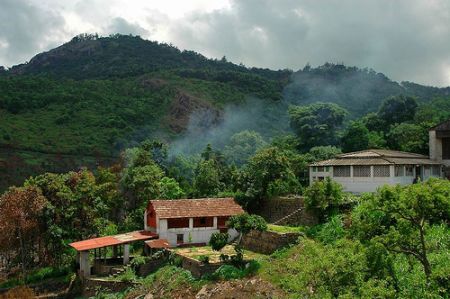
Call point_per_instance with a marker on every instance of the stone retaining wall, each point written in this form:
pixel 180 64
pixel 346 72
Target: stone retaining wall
pixel 93 285
pixel 268 242
pixel 276 208
pixel 149 267
pixel 197 268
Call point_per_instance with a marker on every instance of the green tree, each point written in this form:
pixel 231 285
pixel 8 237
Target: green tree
pixel 355 138
pixel 316 124
pixel 395 110
pixel 409 138
pixel 207 179
pixel 319 153
pixel 140 179
pixel 398 217
pixel 245 223
pixel 268 173
pixel 324 197
pixel 170 189
pixel 242 146
pixel 376 140
pixel 218 240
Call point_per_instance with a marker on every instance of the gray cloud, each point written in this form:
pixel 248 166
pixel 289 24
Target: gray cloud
pixel 405 39
pixel 122 26
pixel 27 29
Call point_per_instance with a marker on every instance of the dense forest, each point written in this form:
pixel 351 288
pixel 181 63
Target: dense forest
pixel 84 102
pixel 91 130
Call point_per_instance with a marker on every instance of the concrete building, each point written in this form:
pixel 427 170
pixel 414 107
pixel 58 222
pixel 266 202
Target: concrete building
pixel 439 140
pixel 190 221
pixel 365 171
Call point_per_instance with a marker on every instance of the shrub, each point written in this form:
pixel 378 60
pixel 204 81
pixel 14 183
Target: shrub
pixel 204 259
pixel 227 272
pixel 128 275
pixel 218 241
pixel 323 197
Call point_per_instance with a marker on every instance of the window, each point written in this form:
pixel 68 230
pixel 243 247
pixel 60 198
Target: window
pixel 445 148
pixel 399 170
pixel 436 170
pixel 203 220
pixel 180 238
pixel 381 171
pixel 314 169
pixel 409 170
pixel 320 169
pixel 361 171
pixel 327 168
pixel 341 171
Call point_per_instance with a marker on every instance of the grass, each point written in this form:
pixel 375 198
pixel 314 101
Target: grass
pixel 285 229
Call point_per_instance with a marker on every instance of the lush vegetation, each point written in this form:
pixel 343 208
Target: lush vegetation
pixel 100 101
pixel 395 247
pixel 84 102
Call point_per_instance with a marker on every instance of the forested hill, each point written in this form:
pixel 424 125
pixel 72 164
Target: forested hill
pixel 82 103
pixel 89 56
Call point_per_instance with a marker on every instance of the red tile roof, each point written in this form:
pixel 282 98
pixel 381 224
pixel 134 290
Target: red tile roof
pixel 158 243
pixel 113 240
pixel 204 207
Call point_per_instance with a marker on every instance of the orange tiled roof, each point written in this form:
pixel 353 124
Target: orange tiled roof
pixel 204 207
pixel 158 243
pixel 112 240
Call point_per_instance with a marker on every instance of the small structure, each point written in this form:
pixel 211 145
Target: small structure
pixel 439 141
pixel 119 243
pixel 190 221
pixel 365 171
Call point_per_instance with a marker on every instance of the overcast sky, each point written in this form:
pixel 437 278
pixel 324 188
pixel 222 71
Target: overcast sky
pixel 408 40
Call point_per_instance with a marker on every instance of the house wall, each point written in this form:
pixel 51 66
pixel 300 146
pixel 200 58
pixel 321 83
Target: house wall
pixel 191 234
pixel 435 145
pixel 150 218
pixel 370 184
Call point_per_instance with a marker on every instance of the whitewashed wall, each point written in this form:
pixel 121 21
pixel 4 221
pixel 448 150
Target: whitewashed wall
pixel 191 234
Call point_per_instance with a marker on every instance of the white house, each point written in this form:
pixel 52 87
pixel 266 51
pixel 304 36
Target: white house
pixel 190 221
pixel 365 171
pixel 439 138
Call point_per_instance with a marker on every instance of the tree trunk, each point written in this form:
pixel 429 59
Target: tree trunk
pixel 22 252
pixel 424 259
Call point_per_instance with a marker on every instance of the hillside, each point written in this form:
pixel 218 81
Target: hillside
pixel 80 104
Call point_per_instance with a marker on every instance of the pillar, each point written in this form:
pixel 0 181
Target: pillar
pixel 191 223
pixel 85 268
pixel 215 222
pixel 126 253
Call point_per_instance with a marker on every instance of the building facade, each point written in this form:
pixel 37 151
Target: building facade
pixel 190 221
pixel 439 140
pixel 365 171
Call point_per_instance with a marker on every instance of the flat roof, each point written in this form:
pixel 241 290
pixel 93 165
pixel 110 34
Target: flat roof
pixel 119 239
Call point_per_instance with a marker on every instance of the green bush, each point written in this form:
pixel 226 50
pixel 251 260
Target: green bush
pixel 128 275
pixel 218 241
pixel 204 259
pixel 324 197
pixel 227 272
